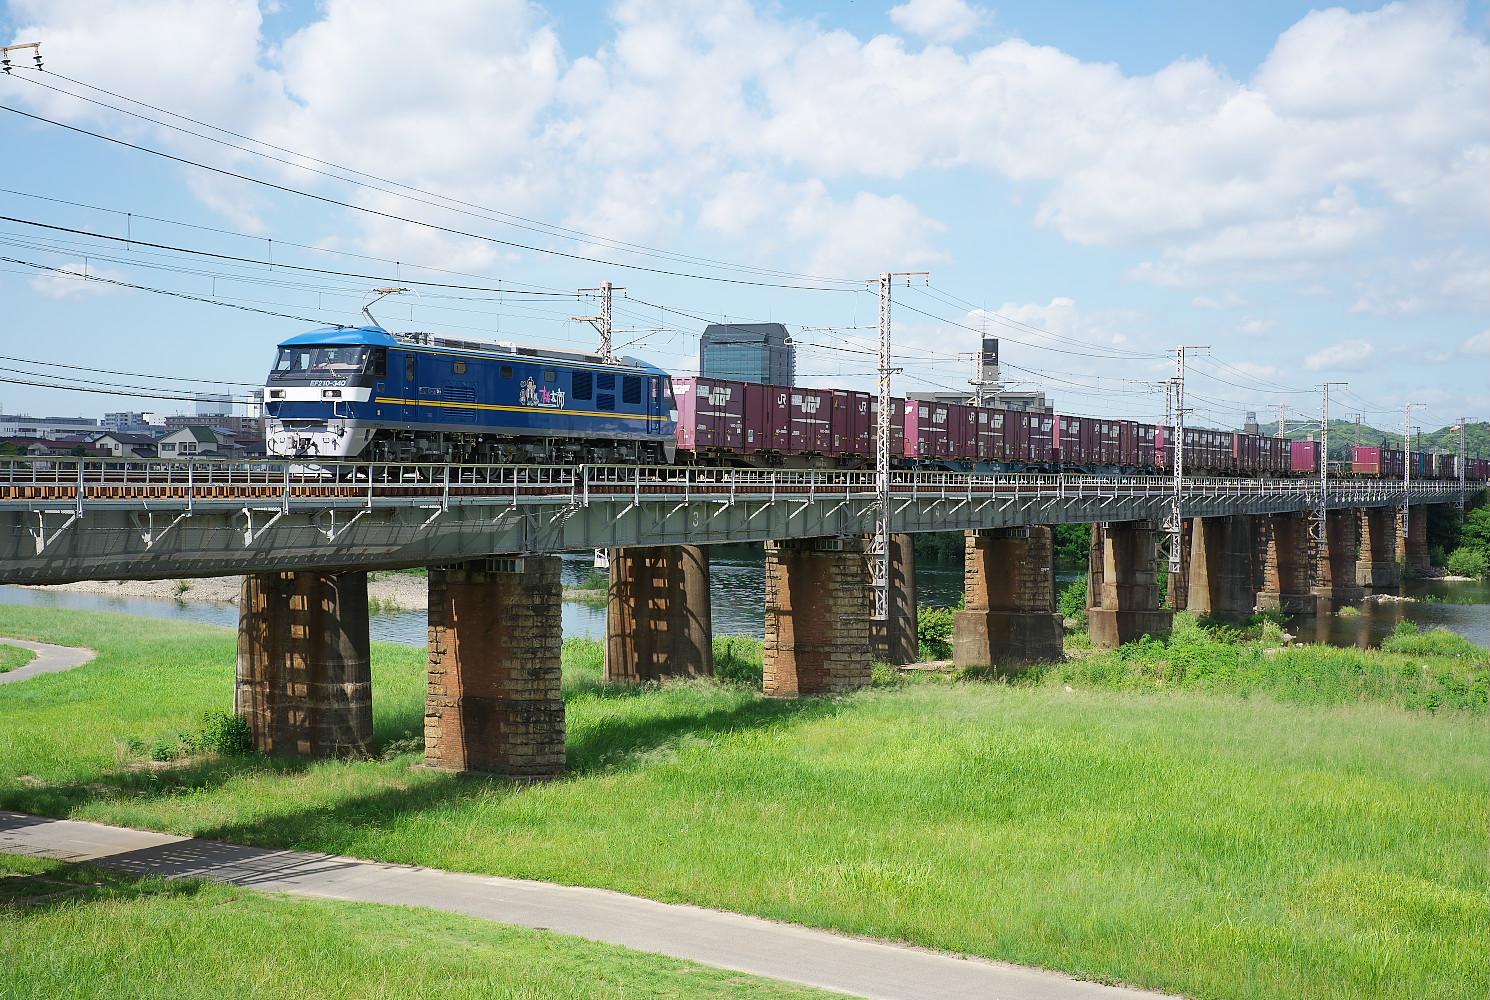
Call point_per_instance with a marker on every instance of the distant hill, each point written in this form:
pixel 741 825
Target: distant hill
pixel 1343 438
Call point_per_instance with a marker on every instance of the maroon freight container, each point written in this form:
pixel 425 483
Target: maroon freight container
pixel 1304 456
pixel 897 426
pixel 1246 453
pixel 964 428
pixel 767 419
pixel 1042 438
pixel 850 423
pixel 1146 435
pixel 1444 467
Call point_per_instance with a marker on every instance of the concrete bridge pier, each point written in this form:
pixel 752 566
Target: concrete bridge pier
pixel 1010 621
pixel 1286 554
pixel 659 622
pixel 817 616
pixel 1377 566
pixel 1412 546
pixel 1336 571
pixel 898 643
pixel 495 635
pixel 304 680
pixel 1123 584
pixel 1220 577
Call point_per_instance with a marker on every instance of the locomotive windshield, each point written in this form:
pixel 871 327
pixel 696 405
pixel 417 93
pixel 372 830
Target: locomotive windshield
pixel 320 361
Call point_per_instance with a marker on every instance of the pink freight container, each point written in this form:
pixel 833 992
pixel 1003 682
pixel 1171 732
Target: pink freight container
pixel 1304 456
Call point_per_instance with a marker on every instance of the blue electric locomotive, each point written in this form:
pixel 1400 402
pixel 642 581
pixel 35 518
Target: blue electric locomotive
pixel 363 393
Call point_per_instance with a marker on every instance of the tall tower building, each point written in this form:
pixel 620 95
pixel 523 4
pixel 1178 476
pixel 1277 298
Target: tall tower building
pixel 748 352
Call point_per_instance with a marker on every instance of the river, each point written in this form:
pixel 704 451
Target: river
pixel 738 590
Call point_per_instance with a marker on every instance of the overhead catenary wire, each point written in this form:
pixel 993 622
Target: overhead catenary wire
pixel 393 217
pixel 449 203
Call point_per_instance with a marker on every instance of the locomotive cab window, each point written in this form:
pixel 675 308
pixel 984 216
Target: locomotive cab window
pixel 379 365
pixel 320 361
pixel 411 370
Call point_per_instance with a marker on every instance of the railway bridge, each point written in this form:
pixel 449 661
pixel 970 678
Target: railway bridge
pixel 304 537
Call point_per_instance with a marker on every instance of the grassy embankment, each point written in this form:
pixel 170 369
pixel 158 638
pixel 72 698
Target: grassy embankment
pixel 1305 823
pixel 78 931
pixel 14 656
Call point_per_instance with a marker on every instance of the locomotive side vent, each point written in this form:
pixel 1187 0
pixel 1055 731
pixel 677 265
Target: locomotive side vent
pixel 606 381
pixel 605 401
pixel 631 390
pixel 583 385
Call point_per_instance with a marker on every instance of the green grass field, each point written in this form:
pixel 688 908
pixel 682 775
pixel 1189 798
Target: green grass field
pixel 1326 842
pixel 76 931
pixel 14 656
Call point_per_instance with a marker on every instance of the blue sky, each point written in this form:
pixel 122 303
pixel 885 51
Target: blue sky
pixel 1302 190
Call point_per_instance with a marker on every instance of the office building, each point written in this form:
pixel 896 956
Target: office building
pixel 748 352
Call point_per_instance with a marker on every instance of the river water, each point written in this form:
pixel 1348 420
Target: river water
pixel 738 590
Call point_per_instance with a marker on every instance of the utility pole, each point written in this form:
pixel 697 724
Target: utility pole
pixel 1406 470
pixel 879 551
pixel 1323 539
pixel 1358 430
pixel 1175 523
pixel 1462 422
pixel 602 323
pixel 1282 409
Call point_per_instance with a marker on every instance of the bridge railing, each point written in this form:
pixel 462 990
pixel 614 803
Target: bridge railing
pixel 80 480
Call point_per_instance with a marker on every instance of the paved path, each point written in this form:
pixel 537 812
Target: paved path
pixel 711 937
pixel 49 659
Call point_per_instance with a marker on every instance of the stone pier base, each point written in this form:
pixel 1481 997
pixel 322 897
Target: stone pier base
pixel 660 621
pixel 1220 574
pixel 304 681
pixel 1377 566
pixel 1010 620
pixel 1336 572
pixel 1286 557
pixel 1123 584
pixel 817 616
pixel 494 639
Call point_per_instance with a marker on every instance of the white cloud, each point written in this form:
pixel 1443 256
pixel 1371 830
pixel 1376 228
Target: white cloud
pixel 822 235
pixel 1355 125
pixel 1454 280
pixel 940 20
pixel 1479 344
pixel 75 280
pixel 1260 328
pixel 1346 356
pixel 1228 300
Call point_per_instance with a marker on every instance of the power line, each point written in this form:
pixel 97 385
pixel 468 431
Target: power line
pixel 463 207
pixel 404 219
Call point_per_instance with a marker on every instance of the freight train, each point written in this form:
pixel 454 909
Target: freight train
pixel 366 394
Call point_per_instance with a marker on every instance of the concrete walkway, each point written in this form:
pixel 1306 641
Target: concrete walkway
pixel 725 940
pixel 49 659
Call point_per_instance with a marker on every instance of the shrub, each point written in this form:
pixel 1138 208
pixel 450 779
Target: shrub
pixel 1073 602
pixel 934 632
pixel 739 659
pixel 222 733
pixel 1465 561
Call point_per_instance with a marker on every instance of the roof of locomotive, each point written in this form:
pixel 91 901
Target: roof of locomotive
pixel 336 335
pixel 377 336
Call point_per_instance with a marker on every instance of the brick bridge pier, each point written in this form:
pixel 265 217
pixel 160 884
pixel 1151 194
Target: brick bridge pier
pixel 493 703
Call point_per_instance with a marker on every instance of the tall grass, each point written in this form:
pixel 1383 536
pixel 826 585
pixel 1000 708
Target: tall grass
pixel 1155 833
pixel 1431 671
